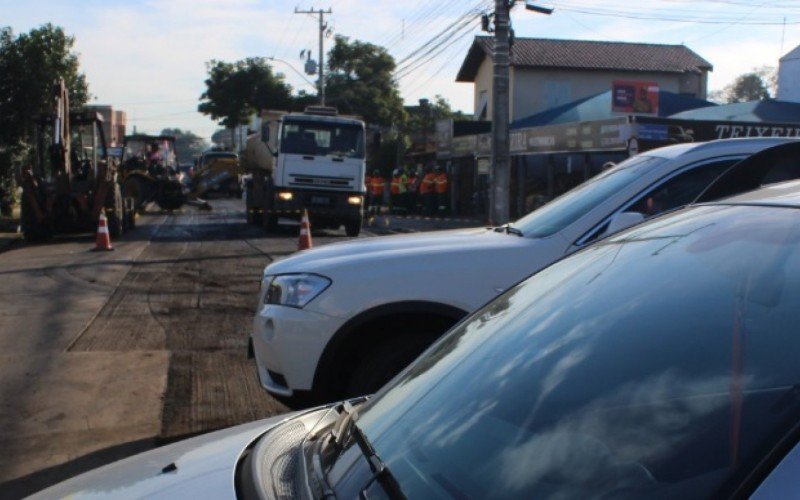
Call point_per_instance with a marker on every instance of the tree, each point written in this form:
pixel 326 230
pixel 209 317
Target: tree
pixel 234 91
pixel 756 85
pixel 360 81
pixel 422 119
pixel 29 65
pixel 187 144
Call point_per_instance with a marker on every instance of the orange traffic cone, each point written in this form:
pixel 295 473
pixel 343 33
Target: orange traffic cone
pixel 305 233
pixel 103 241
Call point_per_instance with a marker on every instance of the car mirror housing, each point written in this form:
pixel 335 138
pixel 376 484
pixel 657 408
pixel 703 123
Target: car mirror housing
pixel 623 220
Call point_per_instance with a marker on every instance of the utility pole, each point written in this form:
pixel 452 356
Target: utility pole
pixel 322 27
pixel 500 173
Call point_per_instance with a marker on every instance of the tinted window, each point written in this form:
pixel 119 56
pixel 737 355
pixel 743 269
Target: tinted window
pixel 660 362
pixel 680 190
pixel 321 138
pixel 568 208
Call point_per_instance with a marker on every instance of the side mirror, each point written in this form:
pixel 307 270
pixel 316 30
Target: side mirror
pixel 622 220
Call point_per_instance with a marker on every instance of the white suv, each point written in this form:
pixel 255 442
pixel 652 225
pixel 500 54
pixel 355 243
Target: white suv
pixel 342 319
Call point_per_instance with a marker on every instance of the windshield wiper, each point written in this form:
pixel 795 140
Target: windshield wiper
pixel 380 472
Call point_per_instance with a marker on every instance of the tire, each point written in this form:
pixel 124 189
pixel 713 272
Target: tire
pixel 381 363
pixel 170 195
pixel 352 227
pixel 115 215
pixel 270 222
pixel 32 230
pixel 136 188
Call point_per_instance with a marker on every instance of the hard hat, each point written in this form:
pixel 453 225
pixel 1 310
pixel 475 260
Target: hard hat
pixel 396 172
pixel 439 168
pixel 376 172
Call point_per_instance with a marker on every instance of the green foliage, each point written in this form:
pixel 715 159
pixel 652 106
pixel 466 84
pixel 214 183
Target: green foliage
pixel 29 65
pixel 187 144
pixel 360 82
pixel 755 85
pixel 422 119
pixel 234 91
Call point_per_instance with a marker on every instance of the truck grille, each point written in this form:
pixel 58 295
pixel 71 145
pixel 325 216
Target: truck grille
pixel 320 181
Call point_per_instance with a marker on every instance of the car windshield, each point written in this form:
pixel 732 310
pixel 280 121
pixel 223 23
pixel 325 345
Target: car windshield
pixel 574 204
pixel 322 138
pixel 661 362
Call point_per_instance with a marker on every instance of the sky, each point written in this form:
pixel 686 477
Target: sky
pixel 148 57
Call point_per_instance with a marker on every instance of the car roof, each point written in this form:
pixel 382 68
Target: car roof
pixel 743 145
pixel 783 194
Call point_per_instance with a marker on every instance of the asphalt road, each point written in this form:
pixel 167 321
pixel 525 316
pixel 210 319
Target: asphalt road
pixel 108 354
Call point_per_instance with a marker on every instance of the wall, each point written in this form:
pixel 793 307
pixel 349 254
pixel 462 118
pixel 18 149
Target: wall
pixel 789 80
pixel 535 90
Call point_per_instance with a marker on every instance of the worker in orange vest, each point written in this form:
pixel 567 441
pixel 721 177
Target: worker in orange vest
pixel 376 190
pixel 411 191
pixel 398 190
pixel 441 185
pixel 426 191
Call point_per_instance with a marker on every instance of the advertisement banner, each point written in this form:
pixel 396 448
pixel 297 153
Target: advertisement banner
pixel 634 97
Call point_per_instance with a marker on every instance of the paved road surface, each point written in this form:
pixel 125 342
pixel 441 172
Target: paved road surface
pixel 108 354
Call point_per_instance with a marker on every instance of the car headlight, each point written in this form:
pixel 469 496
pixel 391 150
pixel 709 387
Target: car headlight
pixel 294 290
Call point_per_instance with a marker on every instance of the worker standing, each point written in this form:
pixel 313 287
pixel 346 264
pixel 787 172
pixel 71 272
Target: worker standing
pixel 412 184
pixel 398 190
pixel 441 185
pixel 377 187
pixel 427 192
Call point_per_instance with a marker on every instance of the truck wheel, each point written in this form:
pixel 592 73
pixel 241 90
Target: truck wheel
pixel 353 227
pixel 170 196
pixel 33 230
pixel 386 360
pixel 114 213
pixel 137 189
pixel 270 222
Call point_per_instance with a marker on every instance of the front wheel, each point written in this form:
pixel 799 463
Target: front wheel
pixel 115 213
pixel 352 227
pixel 381 363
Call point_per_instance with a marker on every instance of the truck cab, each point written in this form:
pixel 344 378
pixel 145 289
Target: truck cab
pixel 318 164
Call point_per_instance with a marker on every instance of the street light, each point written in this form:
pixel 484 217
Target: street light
pixel 540 10
pixel 301 75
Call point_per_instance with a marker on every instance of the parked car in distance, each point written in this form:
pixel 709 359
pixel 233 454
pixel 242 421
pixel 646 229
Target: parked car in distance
pixel 660 362
pixel 341 320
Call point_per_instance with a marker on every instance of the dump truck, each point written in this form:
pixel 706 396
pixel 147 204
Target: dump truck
pixel 312 161
pixel 72 178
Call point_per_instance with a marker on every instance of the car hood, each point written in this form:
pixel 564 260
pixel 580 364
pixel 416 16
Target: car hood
pixel 407 246
pixel 201 467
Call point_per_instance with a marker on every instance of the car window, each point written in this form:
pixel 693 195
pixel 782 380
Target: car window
pixel 661 363
pixel 673 193
pixel 571 206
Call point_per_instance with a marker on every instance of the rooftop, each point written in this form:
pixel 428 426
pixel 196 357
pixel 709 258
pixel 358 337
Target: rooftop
pixel 587 55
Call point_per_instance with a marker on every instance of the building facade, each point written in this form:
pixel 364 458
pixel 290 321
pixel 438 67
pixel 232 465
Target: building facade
pixel 789 76
pixel 546 73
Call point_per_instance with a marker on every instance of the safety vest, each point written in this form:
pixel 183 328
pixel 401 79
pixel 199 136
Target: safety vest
pixel 441 183
pixel 398 184
pixel 426 186
pixel 411 184
pixel 377 185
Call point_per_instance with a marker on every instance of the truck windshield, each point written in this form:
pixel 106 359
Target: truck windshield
pixel 322 139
